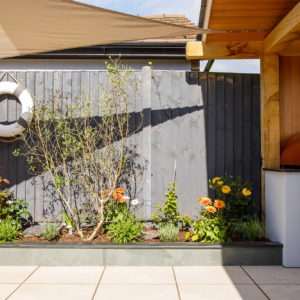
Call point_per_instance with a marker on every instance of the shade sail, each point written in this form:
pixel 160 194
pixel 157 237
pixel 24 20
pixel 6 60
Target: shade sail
pixel 34 26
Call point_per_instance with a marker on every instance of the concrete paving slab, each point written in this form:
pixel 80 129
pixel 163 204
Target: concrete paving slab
pixel 211 275
pixel 280 292
pixel 54 291
pixel 138 275
pixel 80 275
pixel 15 274
pixel 221 292
pixel 274 274
pixel 136 292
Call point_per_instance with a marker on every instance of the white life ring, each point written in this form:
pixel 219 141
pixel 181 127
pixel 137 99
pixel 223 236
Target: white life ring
pixel 25 99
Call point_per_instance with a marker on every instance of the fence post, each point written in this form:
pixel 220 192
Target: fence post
pixel 146 83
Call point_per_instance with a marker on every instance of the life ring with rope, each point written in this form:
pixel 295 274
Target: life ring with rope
pixel 22 94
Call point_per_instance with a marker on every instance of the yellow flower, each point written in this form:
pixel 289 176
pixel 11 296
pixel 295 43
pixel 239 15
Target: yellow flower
pixel 215 180
pixel 226 189
pixel 246 192
pixel 220 182
pixel 210 209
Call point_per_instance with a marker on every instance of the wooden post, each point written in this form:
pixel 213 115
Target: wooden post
pixel 270 117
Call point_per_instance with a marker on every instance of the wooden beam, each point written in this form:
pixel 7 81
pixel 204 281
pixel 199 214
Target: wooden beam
pixel 286 31
pixel 208 8
pixel 223 50
pixel 270 118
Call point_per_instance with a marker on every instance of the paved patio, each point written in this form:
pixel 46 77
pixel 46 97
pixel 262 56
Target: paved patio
pixel 145 283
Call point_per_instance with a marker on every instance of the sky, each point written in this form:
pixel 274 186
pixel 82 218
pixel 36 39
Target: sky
pixel 191 8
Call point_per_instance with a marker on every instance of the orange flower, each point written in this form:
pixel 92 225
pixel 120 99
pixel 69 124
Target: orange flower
pixel 226 189
pixel 210 209
pixel 117 196
pixel 119 190
pixel 246 192
pixel 219 204
pixel 220 182
pixel 204 200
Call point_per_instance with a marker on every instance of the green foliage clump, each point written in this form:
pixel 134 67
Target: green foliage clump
pixel 168 233
pixel 16 211
pixel 168 214
pixel 8 231
pixel 235 194
pixel 125 228
pixel 50 230
pixel 210 229
pixel 251 229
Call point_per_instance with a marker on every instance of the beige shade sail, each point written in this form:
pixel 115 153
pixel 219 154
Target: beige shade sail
pixel 35 26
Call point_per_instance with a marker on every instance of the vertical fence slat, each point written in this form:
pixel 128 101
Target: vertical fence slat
pixel 211 126
pixel 237 125
pixel 255 142
pixel 228 134
pixel 30 182
pixel 39 183
pixel 220 119
pixel 22 174
pixel 247 127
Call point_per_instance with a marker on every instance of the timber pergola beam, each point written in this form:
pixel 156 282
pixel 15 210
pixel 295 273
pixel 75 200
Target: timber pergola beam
pixel 286 32
pixel 224 50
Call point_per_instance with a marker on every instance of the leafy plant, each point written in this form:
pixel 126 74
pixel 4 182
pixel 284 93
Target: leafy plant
pixel 8 231
pixel 168 233
pixel 235 194
pixel 185 221
pixel 50 230
pixel 83 154
pixel 17 211
pixel 169 213
pixel 251 229
pixel 125 228
pixel 211 227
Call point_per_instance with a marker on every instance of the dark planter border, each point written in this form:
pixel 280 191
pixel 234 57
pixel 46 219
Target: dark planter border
pixel 141 254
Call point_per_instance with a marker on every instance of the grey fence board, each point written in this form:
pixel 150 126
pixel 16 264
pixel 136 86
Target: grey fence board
pixel 208 123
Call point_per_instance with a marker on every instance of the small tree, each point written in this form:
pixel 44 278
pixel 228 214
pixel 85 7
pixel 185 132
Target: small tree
pixel 83 154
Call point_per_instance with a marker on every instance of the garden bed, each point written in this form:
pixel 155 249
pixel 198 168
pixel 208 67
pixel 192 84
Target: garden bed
pixel 140 254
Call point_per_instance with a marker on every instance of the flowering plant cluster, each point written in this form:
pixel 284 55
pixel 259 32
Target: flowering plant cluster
pixel 211 226
pixel 116 194
pixel 233 202
pixel 235 194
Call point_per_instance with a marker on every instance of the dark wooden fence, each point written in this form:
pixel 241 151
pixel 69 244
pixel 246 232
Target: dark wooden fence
pixel 208 123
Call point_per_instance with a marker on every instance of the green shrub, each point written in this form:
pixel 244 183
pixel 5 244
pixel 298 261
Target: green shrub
pixel 251 230
pixel 125 228
pixel 169 213
pixel 50 230
pixel 210 228
pixel 168 233
pixel 8 231
pixel 16 210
